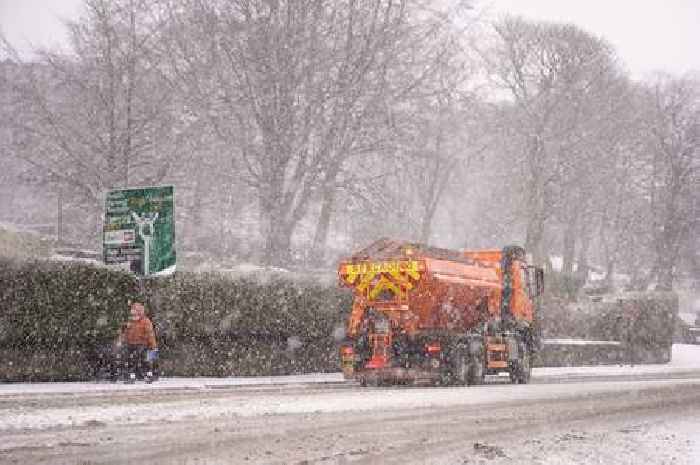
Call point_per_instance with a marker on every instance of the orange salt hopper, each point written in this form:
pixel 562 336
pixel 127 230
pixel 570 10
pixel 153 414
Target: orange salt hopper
pixel 423 314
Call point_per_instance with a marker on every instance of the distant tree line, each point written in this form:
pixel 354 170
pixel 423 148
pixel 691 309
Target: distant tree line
pixel 295 131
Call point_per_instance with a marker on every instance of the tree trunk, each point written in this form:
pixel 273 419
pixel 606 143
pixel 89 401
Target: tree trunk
pixel 585 239
pixel 569 244
pixel 534 238
pixel 192 226
pixel 318 247
pixel 426 224
pixel 666 260
pixel 609 270
pixel 131 76
pixel 278 239
pixel 536 208
pixel 425 229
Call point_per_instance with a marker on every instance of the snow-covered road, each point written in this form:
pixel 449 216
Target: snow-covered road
pixel 685 362
pixel 643 414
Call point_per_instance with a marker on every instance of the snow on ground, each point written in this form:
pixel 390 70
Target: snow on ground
pixel 580 342
pixel 333 401
pixel 278 398
pixel 619 423
pixel 688 318
pixel 650 438
pixel 602 414
pixel 167 384
pixel 684 358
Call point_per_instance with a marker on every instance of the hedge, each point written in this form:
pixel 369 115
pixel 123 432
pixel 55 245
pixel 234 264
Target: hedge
pixel 60 307
pixel 212 325
pixel 56 319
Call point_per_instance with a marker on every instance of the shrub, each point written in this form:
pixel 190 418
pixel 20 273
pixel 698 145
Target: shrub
pixel 55 318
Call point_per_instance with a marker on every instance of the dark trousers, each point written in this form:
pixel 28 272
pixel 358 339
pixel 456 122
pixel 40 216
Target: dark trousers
pixel 135 360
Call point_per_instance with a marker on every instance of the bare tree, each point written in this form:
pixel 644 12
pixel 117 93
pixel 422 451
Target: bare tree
pixel 426 95
pixel 440 145
pixel 102 116
pixel 298 88
pixel 550 72
pixel 673 125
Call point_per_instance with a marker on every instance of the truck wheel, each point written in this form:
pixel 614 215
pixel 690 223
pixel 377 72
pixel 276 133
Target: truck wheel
pixel 514 372
pixel 476 367
pixel 521 370
pixel 460 368
pixel 526 368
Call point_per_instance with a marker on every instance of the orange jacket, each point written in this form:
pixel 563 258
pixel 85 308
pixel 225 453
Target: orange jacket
pixel 140 332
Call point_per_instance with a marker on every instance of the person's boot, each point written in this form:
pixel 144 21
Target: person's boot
pixel 131 379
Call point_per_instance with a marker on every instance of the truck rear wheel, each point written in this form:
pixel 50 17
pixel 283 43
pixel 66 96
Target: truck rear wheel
pixel 468 365
pixel 476 365
pixel 460 368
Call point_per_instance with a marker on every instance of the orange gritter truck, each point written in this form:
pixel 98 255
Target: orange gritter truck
pixel 422 314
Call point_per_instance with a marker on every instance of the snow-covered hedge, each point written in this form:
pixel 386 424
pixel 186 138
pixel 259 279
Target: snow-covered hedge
pixel 56 319
pixel 53 316
pixel 213 325
pixel 643 323
pixel 58 306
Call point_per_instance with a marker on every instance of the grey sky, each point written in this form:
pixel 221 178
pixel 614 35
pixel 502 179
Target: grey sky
pixel 649 35
pixel 36 22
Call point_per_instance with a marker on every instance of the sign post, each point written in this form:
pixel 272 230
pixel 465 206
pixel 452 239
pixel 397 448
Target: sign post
pixel 139 230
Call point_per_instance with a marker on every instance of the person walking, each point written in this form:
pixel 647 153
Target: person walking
pixel 138 341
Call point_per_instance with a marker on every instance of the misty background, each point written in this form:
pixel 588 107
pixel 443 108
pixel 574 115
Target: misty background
pixel 297 131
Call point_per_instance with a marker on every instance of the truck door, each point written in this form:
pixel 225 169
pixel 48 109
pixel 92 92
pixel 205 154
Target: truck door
pixel 522 292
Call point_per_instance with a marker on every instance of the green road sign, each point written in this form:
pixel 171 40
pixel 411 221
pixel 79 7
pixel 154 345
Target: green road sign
pixel 139 230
